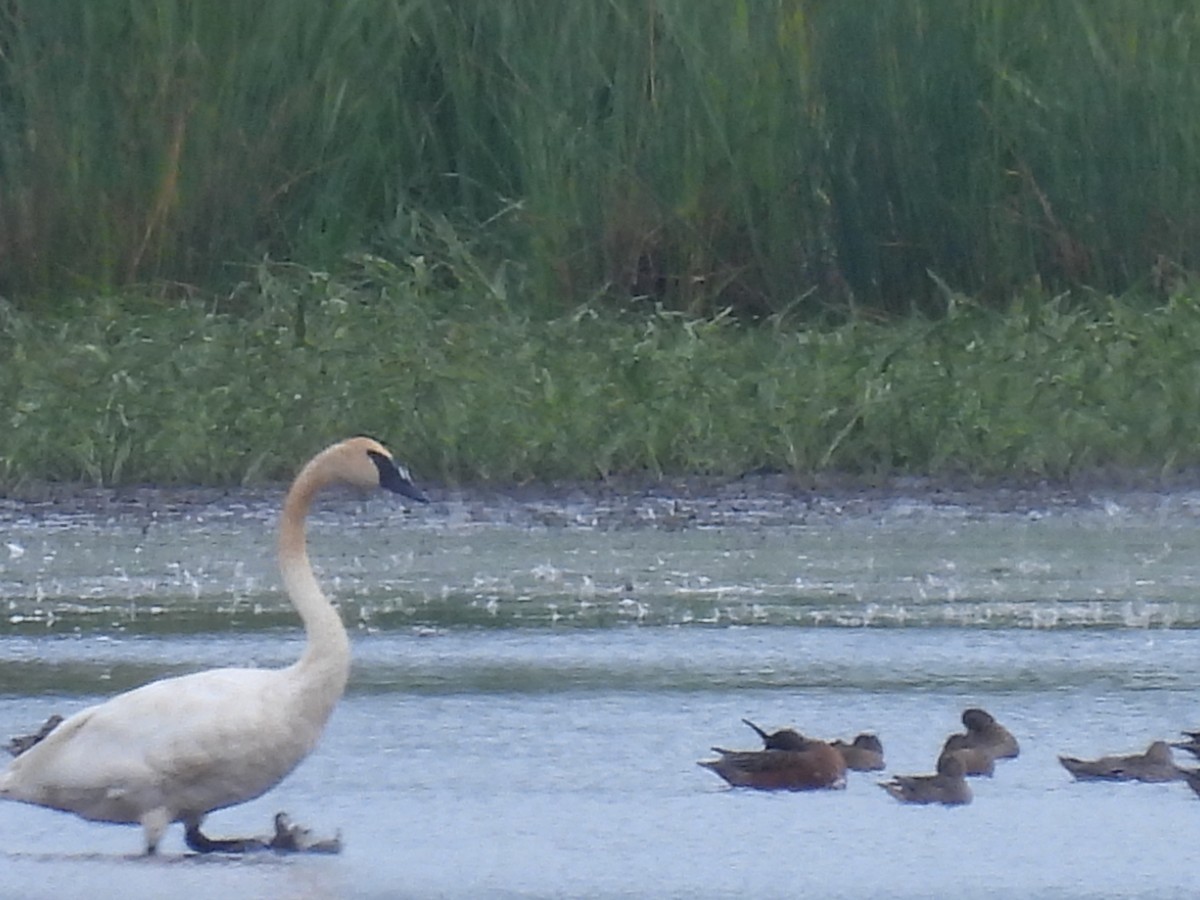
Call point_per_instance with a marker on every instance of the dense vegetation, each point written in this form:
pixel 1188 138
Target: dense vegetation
pixel 759 154
pixel 184 393
pixel 535 240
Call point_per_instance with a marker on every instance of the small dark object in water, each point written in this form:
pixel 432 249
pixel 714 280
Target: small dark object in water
pixel 1191 745
pixel 783 739
pixel 1155 765
pixel 948 787
pixel 19 745
pixel 863 754
pixel 292 838
pixel 288 838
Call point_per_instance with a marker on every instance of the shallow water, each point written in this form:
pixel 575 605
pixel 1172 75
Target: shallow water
pixel 535 680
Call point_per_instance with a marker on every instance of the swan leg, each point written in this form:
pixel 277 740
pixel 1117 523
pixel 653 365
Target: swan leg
pixel 202 843
pixel 154 825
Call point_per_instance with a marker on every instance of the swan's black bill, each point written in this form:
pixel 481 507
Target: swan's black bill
pixel 395 478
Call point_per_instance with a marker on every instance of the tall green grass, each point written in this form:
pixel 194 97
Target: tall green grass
pixel 468 389
pixel 769 155
pixel 165 140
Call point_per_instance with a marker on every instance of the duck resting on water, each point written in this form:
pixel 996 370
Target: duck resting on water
pixel 177 749
pixel 985 733
pixel 789 762
pixel 863 754
pixel 947 786
pixel 976 760
pixel 1154 765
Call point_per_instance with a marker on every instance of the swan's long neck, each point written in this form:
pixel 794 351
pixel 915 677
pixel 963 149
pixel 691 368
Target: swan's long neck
pixel 324 666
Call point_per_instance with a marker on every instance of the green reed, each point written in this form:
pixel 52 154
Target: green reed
pixel 766 155
pixel 139 389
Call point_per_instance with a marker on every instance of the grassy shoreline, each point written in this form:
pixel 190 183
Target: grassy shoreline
pixel 132 389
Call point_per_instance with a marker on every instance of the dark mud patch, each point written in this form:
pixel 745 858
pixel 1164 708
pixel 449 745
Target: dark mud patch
pixel 667 503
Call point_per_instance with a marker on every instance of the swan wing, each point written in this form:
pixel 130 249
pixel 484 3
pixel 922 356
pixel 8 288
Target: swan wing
pixel 189 744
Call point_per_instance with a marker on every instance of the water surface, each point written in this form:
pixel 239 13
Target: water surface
pixel 535 678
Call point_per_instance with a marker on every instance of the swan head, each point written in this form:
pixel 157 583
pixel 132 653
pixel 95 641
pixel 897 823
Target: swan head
pixel 365 463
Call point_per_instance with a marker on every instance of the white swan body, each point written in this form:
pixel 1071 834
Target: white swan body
pixel 176 749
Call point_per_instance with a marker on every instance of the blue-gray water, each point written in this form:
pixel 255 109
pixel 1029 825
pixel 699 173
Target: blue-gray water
pixel 535 680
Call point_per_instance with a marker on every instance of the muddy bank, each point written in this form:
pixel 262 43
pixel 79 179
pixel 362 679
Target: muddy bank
pixel 664 503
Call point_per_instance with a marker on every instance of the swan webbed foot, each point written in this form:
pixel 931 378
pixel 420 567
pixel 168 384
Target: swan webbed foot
pixel 288 837
pixel 202 843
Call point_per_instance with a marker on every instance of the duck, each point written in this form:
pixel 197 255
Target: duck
pixel 863 754
pixel 985 733
pixel 948 786
pixel 1155 765
pixel 804 764
pixel 976 760
pixel 177 749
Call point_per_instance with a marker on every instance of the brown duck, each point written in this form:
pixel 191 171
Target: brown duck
pixel 948 787
pixel 976 760
pixel 985 733
pixel 863 754
pixel 789 763
pixel 1155 765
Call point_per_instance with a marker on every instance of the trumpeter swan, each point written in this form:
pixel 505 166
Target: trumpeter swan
pixel 175 750
pixel 863 754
